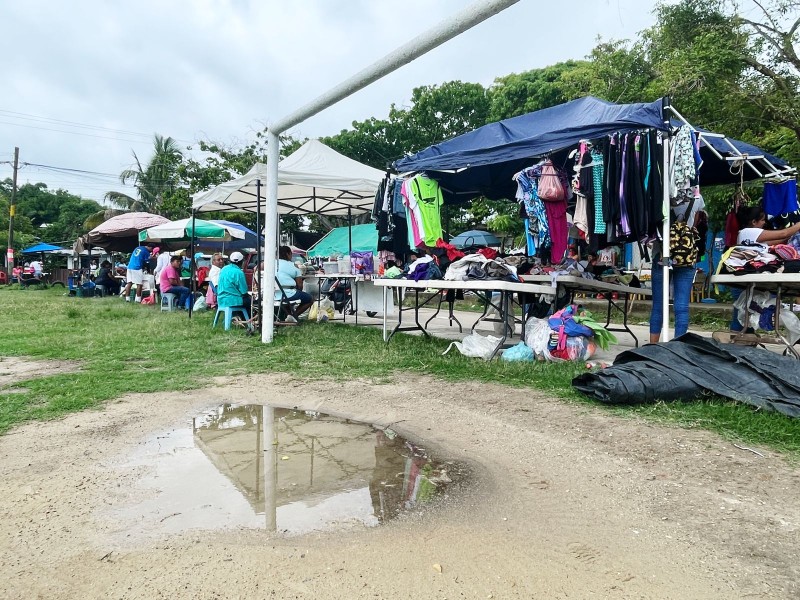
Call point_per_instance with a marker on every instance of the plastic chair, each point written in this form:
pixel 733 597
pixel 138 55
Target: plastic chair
pixel 228 312
pixel 698 286
pixel 100 290
pixel 284 306
pixel 168 301
pixel 3 277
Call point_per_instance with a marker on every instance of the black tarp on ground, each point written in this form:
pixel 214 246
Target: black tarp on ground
pixel 685 367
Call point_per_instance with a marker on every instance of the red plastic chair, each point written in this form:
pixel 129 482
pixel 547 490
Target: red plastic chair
pixel 3 277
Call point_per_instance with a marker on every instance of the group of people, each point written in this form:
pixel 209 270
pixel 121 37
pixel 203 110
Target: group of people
pixel 227 284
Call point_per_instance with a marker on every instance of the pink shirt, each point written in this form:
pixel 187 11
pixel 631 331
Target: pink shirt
pixel 167 273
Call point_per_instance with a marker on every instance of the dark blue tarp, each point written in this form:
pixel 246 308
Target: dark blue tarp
pixel 486 159
pixel 534 134
pixel 715 171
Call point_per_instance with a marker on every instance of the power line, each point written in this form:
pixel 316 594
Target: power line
pixel 29 117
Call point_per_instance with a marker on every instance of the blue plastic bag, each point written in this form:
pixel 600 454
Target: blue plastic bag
pixel 518 352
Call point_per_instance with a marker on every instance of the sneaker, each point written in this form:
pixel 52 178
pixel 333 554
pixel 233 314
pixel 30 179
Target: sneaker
pixel 127 298
pixel 291 319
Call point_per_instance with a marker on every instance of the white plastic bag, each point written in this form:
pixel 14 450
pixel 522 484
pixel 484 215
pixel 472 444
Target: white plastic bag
pixel 476 345
pixel 200 304
pixel 792 324
pixel 537 336
pixel 326 310
pixel 759 298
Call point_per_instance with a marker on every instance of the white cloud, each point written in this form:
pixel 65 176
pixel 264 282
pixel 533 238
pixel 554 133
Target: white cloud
pixel 220 69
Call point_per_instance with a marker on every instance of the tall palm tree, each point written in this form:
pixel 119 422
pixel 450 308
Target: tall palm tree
pixel 152 181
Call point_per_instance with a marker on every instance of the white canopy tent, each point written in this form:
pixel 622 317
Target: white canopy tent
pixel 315 179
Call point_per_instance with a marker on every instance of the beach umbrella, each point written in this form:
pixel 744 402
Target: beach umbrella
pixel 121 233
pixel 475 237
pixel 43 247
pixel 186 229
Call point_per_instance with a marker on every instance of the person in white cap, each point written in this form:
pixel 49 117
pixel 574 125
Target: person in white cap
pixel 232 287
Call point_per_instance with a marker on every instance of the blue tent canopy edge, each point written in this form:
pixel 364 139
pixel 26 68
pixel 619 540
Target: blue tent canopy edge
pixel 482 162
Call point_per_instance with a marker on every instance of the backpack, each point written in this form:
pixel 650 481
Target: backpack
pixel 683 241
pixel 551 189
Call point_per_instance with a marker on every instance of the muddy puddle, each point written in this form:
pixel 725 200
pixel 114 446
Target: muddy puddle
pixel 283 470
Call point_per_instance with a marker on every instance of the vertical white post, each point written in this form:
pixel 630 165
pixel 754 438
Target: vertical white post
pixel 665 246
pixel 270 461
pixel 270 239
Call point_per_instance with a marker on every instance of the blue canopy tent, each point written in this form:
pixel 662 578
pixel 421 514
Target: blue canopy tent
pixel 42 247
pixel 482 162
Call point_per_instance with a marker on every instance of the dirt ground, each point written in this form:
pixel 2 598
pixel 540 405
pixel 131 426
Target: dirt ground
pixel 567 502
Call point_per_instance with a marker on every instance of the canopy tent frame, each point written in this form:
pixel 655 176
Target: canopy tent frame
pixel 471 152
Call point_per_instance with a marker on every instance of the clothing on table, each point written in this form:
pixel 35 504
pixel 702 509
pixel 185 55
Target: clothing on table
pixel 232 288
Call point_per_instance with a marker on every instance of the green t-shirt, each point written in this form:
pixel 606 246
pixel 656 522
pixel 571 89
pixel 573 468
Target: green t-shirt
pixel 429 203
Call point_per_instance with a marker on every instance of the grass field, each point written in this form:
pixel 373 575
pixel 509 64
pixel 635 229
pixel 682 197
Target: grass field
pixel 123 347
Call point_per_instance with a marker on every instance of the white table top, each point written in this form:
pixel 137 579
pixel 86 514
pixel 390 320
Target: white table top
pixel 571 281
pixel 472 284
pixel 762 281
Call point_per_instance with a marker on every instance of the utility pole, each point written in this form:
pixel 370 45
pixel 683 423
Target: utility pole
pixel 11 212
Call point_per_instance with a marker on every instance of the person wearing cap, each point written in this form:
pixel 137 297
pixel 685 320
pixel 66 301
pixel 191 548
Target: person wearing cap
pixel 232 288
pixel 139 258
pixel 170 282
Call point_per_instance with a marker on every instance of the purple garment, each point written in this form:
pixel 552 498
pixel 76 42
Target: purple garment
pixel 559 229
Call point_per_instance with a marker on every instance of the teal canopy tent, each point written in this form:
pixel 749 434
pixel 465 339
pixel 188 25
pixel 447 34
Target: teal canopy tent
pixel 337 241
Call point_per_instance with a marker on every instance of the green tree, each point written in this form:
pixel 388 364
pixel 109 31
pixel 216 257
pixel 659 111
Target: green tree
pixel 437 113
pixel 518 94
pixel 154 181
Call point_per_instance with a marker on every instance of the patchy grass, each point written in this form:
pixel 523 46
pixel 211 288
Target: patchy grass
pixel 124 347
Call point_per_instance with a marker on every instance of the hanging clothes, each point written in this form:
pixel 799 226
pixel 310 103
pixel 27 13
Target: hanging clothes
pixel 429 199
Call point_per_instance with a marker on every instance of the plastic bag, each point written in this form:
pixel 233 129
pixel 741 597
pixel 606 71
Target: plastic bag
pixel 758 302
pixel 578 348
pixel 551 189
pixel 325 311
pixel 313 312
pixel 476 345
pixel 151 299
pixel 792 324
pixel 362 263
pixel 537 335
pixel 520 352
pixel 200 304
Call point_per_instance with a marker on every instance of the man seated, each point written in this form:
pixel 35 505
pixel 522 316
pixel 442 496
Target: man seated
pixel 291 278
pixel 37 267
pixel 105 277
pixel 170 280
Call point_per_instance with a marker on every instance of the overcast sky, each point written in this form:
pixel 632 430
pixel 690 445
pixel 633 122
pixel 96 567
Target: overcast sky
pixel 86 83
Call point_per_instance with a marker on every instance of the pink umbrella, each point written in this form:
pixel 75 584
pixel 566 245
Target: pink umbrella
pixel 121 233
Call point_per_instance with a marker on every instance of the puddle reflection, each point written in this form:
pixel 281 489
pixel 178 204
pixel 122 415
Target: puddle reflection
pixel 287 470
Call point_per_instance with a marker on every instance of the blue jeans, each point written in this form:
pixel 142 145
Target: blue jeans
pixel 182 293
pixel 682 279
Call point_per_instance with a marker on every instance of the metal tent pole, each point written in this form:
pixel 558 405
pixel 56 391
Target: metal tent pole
pixel 194 265
pixel 665 208
pixel 258 252
pixel 475 13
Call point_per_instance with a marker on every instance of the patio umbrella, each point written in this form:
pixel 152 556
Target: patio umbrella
pixel 187 229
pixel 43 247
pixel 121 233
pixel 475 237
